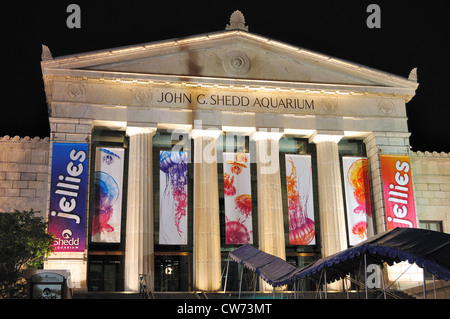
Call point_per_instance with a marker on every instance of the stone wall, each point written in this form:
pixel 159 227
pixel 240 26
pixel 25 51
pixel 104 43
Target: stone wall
pixel 431 175
pixel 24 169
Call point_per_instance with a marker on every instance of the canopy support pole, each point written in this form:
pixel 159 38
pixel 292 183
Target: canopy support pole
pixel 226 276
pixel 325 280
pixel 345 287
pixel 254 285
pixel 365 275
pixel 240 281
pixel 424 286
pixel 382 280
pixel 434 286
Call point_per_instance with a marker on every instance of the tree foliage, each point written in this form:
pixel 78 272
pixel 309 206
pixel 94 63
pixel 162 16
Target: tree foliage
pixel 24 244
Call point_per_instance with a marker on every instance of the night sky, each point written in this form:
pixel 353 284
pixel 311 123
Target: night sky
pixel 410 36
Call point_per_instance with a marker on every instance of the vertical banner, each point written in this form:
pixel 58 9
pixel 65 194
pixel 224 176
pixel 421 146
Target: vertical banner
pixel 300 200
pixel 67 214
pixel 357 199
pixel 173 182
pixel 108 184
pixel 238 198
pixel 398 191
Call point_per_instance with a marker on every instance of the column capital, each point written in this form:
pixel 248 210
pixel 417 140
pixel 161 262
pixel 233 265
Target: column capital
pixel 134 130
pixel 208 133
pixel 326 136
pixel 266 135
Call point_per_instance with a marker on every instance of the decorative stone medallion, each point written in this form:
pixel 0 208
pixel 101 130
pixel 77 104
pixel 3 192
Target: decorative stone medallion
pixel 237 62
pixel 385 107
pixel 76 91
pixel 141 96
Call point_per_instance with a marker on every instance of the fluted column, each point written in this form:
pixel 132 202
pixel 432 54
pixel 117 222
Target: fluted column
pixel 207 259
pixel 139 251
pixel 270 207
pixel 331 202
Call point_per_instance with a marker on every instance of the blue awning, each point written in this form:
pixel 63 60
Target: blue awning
pixel 428 249
pixel 274 270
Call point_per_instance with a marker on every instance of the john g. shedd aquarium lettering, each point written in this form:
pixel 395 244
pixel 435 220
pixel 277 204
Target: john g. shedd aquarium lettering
pixel 67 214
pixel 168 97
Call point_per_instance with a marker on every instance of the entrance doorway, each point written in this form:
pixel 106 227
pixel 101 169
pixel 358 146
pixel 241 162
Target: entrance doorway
pixel 173 271
pixel 105 273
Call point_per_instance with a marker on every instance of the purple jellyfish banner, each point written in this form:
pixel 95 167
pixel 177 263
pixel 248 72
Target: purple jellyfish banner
pixel 173 182
pixel 357 199
pixel 300 200
pixel 108 184
pixel 238 198
pixel 67 213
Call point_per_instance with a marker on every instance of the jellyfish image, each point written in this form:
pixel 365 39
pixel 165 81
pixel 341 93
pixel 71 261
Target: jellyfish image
pixel 228 186
pixel 174 166
pixel 109 156
pixel 244 204
pixel 236 233
pixel 360 229
pixel 357 175
pixel 301 227
pixel 106 192
pixel 238 164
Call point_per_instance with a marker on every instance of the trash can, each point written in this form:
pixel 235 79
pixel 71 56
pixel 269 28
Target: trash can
pixel 45 284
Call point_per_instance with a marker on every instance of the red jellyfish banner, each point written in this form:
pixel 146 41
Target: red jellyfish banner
pixel 357 199
pixel 173 201
pixel 300 200
pixel 238 198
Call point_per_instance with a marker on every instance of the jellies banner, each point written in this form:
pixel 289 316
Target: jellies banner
pixel 357 199
pixel 300 200
pixel 238 198
pixel 108 189
pixel 173 204
pixel 67 213
pixel 398 191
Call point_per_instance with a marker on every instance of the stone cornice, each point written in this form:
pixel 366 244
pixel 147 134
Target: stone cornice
pixel 431 154
pixel 28 139
pixel 327 89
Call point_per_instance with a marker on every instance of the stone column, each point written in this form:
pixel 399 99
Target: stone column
pixel 270 207
pixel 331 202
pixel 139 251
pixel 207 259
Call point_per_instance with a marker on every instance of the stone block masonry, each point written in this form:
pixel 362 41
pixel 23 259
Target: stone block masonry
pixel 24 173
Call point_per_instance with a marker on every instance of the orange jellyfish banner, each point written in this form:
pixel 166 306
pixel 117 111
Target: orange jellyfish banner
pixel 238 198
pixel 300 200
pixel 357 199
pixel 107 213
pixel 398 191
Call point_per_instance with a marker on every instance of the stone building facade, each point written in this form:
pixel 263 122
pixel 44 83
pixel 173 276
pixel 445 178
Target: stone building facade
pixel 207 87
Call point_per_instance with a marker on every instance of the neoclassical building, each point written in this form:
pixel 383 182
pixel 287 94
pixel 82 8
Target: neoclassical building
pixel 227 91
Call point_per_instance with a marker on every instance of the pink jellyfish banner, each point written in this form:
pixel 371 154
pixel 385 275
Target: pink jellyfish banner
pixel 300 200
pixel 173 203
pixel 108 188
pixel 357 199
pixel 238 198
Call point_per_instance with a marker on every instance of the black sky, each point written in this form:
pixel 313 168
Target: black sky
pixel 411 35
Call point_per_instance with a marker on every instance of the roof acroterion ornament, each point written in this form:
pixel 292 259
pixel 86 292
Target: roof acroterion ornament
pixel 237 22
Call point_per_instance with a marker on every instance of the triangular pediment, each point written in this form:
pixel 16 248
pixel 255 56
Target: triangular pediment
pixel 231 55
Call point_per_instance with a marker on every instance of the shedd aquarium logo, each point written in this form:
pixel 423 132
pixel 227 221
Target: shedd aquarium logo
pixel 67 242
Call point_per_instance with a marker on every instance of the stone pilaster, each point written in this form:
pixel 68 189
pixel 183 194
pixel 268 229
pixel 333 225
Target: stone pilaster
pixel 207 259
pixel 139 251
pixel 331 202
pixel 382 143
